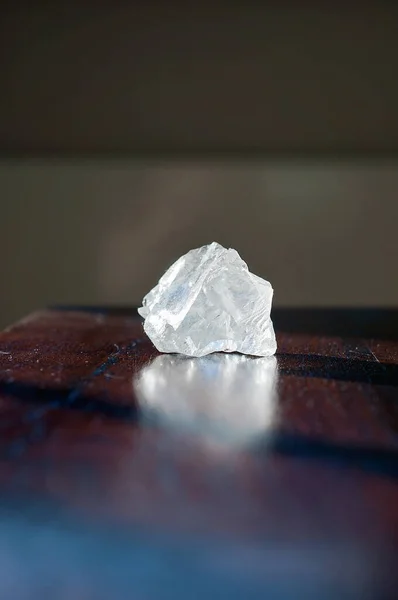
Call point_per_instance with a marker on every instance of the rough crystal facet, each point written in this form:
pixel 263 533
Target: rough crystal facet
pixel 208 301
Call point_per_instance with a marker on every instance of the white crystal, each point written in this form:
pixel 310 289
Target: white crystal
pixel 208 301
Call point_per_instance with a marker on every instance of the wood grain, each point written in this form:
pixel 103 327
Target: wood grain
pixel 320 471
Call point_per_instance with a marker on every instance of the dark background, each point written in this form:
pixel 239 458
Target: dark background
pixel 133 131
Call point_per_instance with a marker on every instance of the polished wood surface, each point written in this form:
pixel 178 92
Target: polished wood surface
pixel 227 476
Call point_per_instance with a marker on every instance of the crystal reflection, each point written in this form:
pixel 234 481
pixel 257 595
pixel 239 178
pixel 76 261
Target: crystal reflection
pixel 229 397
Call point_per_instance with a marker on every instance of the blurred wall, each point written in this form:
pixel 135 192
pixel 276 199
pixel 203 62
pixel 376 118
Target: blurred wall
pixel 133 131
pixel 210 76
pixel 92 231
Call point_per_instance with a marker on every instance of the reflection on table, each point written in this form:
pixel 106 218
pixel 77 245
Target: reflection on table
pixel 228 397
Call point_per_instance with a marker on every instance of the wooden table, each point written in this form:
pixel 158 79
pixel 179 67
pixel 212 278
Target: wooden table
pixel 129 474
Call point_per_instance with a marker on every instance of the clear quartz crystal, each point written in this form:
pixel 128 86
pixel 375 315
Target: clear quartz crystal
pixel 208 301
